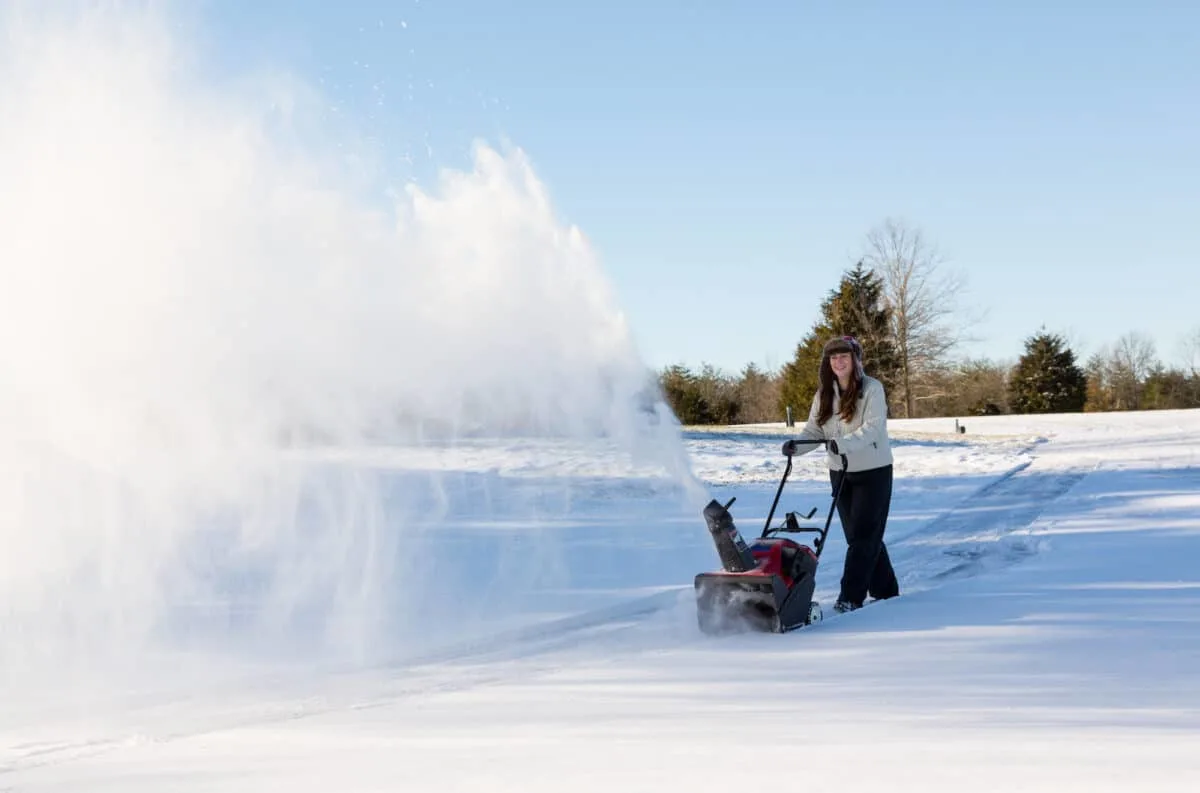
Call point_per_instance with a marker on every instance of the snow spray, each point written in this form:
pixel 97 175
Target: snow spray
pixel 210 322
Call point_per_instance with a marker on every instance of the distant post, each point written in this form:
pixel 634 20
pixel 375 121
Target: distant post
pixel 790 423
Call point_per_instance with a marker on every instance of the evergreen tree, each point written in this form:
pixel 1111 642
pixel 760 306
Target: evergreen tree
pixel 681 389
pixel 855 308
pixel 1046 378
pixel 719 392
pixel 1167 389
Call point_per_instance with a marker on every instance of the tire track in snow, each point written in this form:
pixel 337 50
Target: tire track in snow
pixel 988 530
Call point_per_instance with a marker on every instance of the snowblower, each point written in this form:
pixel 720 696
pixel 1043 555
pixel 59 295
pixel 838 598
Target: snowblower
pixel 768 585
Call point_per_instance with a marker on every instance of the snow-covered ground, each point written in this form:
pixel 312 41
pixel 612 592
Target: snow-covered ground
pixel 1048 637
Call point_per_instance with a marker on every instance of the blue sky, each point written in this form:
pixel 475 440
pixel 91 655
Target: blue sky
pixel 727 158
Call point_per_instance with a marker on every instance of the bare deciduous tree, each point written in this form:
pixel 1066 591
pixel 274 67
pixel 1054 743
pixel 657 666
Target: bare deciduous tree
pixel 1135 354
pixel 922 299
pixel 1119 372
pixel 1191 352
pixel 1133 359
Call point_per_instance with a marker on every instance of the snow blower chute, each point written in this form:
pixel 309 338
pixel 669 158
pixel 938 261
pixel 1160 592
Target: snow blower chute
pixel 767 585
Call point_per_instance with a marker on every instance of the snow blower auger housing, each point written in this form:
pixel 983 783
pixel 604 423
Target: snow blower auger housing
pixel 767 585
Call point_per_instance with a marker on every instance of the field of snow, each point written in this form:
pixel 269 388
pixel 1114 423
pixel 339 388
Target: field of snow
pixel 1047 638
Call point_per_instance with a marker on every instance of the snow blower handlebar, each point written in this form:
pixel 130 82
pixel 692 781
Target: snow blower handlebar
pixel 792 525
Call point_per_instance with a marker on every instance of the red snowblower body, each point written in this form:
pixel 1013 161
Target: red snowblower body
pixel 767 585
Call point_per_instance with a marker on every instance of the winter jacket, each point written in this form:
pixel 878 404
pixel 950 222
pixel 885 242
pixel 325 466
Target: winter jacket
pixel 864 438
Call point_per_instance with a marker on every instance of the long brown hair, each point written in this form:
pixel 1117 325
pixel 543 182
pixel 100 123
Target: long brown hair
pixel 850 396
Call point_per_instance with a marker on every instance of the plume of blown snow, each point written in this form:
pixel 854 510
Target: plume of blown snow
pixel 200 283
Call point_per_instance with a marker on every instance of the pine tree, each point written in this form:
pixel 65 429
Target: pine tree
pixel 855 308
pixel 681 389
pixel 1046 378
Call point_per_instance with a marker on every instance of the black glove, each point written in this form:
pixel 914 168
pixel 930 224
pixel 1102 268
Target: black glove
pixel 833 446
pixel 789 448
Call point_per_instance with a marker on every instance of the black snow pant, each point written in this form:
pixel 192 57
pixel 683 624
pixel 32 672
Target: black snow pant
pixel 863 509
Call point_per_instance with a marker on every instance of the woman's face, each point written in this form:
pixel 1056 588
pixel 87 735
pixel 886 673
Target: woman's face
pixel 841 363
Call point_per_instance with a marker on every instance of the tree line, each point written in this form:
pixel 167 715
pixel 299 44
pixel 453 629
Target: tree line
pixel 903 308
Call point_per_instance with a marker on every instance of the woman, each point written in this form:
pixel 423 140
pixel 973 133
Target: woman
pixel 849 413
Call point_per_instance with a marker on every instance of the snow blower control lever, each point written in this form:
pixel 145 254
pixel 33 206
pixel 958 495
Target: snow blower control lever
pixel 786 471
